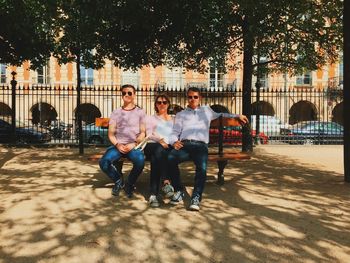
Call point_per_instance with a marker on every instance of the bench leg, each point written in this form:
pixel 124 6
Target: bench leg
pixel 221 166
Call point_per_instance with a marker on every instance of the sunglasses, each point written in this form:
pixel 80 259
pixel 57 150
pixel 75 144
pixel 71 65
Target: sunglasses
pixel 164 102
pixel 124 93
pixel 193 97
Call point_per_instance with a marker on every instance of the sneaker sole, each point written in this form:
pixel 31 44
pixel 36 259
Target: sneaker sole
pixel 154 205
pixel 115 193
pixel 176 202
pixel 169 195
pixel 194 207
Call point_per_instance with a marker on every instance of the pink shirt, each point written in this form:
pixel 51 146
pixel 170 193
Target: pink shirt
pixel 127 124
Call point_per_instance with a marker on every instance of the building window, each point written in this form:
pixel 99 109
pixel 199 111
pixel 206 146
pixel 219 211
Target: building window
pixel 2 73
pixel 130 77
pixel 43 74
pixel 173 77
pixel 304 79
pixel 87 76
pixel 264 81
pixel 262 71
pixel 216 75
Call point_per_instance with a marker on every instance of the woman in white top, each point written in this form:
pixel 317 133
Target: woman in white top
pixel 158 129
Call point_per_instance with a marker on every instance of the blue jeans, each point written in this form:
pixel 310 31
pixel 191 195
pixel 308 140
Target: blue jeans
pixel 198 153
pixel 158 157
pixel 113 155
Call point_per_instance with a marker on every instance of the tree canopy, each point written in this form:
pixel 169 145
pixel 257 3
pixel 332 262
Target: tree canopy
pixel 26 31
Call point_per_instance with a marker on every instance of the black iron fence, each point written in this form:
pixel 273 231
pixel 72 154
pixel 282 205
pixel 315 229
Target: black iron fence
pixel 47 114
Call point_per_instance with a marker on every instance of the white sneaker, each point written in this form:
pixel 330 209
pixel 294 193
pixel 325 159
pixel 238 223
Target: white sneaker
pixel 194 205
pixel 168 190
pixel 177 198
pixel 153 201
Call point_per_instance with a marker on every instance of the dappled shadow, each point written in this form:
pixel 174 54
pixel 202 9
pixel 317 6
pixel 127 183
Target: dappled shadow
pixel 58 207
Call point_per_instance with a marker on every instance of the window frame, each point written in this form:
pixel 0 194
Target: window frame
pixel 304 79
pixel 216 76
pixel 86 76
pixel 3 76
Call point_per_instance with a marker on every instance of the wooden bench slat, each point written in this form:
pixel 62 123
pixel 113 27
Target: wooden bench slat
pixel 211 157
pixel 228 156
pixel 226 122
pixel 101 122
pixel 95 157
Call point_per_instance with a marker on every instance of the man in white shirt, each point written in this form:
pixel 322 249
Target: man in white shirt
pixel 190 139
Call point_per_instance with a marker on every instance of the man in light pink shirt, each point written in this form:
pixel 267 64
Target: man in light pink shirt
pixel 126 129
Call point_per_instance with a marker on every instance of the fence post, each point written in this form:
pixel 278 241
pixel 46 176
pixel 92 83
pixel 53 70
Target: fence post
pixel 80 128
pixel 13 112
pixel 346 91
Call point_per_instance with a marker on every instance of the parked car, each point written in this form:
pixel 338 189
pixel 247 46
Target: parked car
pixel 95 135
pixel 233 136
pixel 24 133
pixel 314 132
pixel 269 125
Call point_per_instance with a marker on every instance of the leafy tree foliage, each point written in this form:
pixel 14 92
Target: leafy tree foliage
pixel 26 31
pixel 78 29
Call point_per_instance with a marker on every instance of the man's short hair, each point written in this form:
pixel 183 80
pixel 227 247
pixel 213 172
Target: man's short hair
pixel 128 86
pixel 194 89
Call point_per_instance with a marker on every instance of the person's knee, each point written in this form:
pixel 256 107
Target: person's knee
pixel 139 160
pixel 104 164
pixel 201 167
pixel 161 154
pixel 172 159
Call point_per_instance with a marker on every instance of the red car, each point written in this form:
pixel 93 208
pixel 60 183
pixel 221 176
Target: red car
pixel 233 136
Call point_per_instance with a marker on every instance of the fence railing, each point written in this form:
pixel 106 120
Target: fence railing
pixel 300 115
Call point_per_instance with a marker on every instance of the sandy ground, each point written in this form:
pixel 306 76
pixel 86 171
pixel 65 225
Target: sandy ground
pixel 286 204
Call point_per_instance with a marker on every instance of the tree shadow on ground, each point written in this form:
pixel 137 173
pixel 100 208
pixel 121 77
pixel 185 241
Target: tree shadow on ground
pixel 57 207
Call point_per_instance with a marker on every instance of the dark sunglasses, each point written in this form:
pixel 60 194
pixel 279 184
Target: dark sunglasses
pixel 129 93
pixel 193 97
pixel 164 102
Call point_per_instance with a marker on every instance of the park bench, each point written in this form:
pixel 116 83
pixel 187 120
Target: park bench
pixel 221 155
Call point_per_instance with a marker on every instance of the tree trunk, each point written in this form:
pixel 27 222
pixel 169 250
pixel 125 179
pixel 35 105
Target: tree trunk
pixel 247 143
pixel 79 122
pixel 346 90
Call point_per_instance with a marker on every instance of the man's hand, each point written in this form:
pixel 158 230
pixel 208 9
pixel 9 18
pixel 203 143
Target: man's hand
pixel 125 148
pixel 242 119
pixel 178 145
pixel 130 146
pixel 121 148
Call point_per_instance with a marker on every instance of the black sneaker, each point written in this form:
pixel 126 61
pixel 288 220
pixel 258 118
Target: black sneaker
pixel 129 189
pixel 194 205
pixel 117 187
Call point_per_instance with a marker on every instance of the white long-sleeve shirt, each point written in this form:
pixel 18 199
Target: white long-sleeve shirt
pixel 194 124
pixel 158 128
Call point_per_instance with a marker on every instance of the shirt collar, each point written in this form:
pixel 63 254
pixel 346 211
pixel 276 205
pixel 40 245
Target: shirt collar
pixel 190 109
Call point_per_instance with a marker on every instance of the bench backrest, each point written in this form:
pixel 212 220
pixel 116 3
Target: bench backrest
pixel 215 124
pixel 101 122
pixel 219 124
